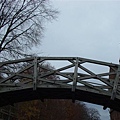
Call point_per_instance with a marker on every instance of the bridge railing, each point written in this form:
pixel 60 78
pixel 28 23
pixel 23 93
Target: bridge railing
pixel 70 72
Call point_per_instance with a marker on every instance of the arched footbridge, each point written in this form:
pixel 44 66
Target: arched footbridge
pixel 73 78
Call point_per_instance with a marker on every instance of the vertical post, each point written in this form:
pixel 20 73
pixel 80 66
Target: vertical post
pixel 75 80
pixel 9 112
pixel 35 74
pixel 115 84
pixel 75 76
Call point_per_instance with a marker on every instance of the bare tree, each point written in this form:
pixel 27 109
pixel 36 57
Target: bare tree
pixel 21 25
pixel 93 114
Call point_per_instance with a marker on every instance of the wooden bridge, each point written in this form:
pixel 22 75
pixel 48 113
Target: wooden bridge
pixel 72 78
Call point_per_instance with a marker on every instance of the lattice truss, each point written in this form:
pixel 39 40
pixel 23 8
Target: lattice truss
pixel 74 73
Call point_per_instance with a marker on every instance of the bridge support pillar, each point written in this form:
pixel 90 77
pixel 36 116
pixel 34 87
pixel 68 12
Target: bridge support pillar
pixel 114 115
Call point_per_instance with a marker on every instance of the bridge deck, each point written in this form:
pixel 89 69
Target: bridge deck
pixel 55 93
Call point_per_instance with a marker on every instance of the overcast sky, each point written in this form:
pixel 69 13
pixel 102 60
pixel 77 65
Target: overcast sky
pixel 89 29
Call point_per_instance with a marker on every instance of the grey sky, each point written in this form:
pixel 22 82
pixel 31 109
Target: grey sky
pixel 89 29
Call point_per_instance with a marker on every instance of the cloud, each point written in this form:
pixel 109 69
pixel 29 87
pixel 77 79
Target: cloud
pixel 88 29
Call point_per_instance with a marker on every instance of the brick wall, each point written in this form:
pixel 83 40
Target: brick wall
pixel 114 115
